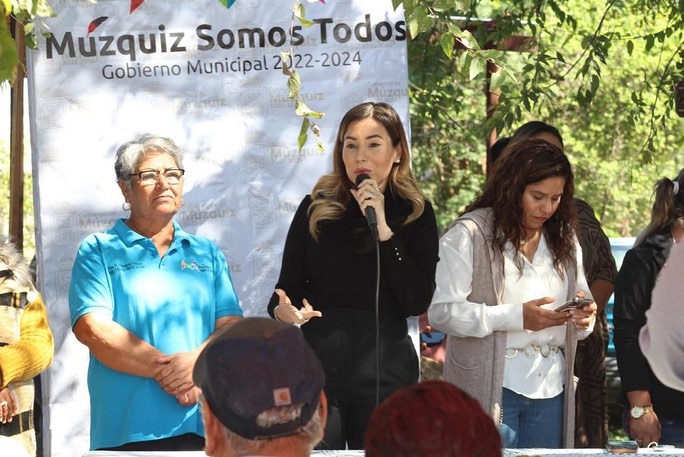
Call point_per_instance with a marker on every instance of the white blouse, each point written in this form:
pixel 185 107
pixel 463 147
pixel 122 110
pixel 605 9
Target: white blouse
pixel 532 374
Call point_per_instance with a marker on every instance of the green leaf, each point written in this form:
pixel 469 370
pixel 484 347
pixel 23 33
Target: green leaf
pixel 497 80
pixel 294 85
pixel 305 22
pixel 8 52
pixel 491 54
pixel 303 133
pixel 476 68
pixel 447 41
pixel 299 10
pixel 413 26
pixel 301 109
pixel 419 21
pixel 285 58
pixel 465 60
pixel 41 8
pixel 650 41
pixel 595 81
pixel 630 47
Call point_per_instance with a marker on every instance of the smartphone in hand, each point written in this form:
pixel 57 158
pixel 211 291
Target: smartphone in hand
pixel 577 302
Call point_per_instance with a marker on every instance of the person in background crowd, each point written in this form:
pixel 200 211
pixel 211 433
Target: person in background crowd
pixel 433 343
pixel 26 348
pixel 662 339
pixel 330 263
pixel 262 391
pixel 591 422
pixel 504 267
pixel 496 150
pixel 431 418
pixel 654 412
pixel 145 297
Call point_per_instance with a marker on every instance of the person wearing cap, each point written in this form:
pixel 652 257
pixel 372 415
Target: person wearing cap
pixel 262 391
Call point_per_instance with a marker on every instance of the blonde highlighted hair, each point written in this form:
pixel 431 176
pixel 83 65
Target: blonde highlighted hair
pixel 331 194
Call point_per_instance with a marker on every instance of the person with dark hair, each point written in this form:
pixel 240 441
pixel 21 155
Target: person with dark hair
pixel 505 266
pixel 540 130
pixel 431 418
pixel 262 391
pixel 495 151
pixel 332 262
pixel 591 424
pixel 145 297
pixel 654 412
pixel 26 349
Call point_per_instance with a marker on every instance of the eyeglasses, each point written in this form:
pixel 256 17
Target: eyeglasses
pixel 148 177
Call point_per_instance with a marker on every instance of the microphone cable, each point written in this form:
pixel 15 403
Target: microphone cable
pixel 377 322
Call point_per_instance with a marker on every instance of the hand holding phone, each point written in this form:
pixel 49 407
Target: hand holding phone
pixel 576 302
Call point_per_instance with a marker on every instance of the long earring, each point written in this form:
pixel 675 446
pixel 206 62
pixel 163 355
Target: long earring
pixel 126 206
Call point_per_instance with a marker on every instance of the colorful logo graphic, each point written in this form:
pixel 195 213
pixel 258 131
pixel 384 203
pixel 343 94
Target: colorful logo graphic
pixel 136 3
pixel 192 266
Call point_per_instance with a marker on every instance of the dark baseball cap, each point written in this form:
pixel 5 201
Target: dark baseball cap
pixel 254 365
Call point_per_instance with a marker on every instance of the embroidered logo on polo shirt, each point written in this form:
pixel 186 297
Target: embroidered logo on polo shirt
pixel 193 266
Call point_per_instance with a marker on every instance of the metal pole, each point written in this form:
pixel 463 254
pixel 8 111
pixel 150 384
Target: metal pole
pixel 16 219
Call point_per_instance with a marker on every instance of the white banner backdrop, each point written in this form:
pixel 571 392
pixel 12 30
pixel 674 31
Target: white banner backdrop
pixel 208 76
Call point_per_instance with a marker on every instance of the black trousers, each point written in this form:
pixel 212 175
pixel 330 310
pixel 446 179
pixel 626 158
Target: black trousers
pixel 348 415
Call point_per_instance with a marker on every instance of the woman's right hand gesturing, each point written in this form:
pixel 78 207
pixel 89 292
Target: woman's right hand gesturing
pixel 286 312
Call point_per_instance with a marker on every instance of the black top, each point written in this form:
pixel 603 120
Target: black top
pixel 633 288
pixel 337 275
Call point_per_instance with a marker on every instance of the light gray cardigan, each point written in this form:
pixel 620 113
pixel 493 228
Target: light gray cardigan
pixel 476 365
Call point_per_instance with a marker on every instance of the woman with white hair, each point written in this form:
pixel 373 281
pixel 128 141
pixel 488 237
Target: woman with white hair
pixel 145 296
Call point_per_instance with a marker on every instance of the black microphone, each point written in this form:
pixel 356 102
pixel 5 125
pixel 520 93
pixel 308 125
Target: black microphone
pixel 370 211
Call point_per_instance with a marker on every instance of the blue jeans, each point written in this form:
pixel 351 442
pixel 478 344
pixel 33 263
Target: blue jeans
pixel 531 423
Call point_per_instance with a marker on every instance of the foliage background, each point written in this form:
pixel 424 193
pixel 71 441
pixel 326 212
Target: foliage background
pixel 600 71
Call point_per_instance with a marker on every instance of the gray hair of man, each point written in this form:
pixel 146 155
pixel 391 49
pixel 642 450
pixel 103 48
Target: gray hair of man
pixel 306 437
pixel 130 153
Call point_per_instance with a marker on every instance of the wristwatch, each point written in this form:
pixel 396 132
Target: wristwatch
pixel 637 411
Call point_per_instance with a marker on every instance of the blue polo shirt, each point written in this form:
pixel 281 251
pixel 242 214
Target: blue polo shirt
pixel 170 302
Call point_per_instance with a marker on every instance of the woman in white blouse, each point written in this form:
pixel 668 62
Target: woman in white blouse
pixel 504 267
